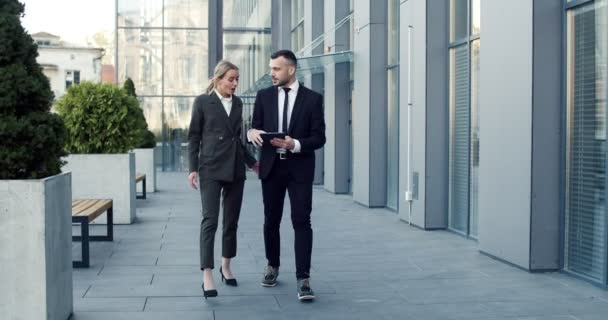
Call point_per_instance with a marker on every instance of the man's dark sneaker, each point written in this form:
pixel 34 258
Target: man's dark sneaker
pixel 305 293
pixel 270 276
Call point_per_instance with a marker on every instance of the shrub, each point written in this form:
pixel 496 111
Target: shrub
pixel 100 118
pixel 148 140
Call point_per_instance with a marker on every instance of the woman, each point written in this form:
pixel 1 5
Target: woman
pixel 217 163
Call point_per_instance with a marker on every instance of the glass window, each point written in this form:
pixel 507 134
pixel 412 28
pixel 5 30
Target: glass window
pixel 475 17
pixel 140 13
pixel 297 38
pixel 344 34
pixel 392 180
pixel 301 9
pixel 153 108
pixel 392 200
pixel 186 13
pixel 393 31
pixel 249 46
pixel 247 14
pixel 177 111
pixel 76 77
pixel 458 19
pixel 474 157
pixel 464 116
pixel 586 74
pixel 69 79
pixel 250 51
pixel 297 25
pixel 459 138
pixel 294 13
pixel 186 62
pixel 351 34
pixel 140 58
pixel 164 50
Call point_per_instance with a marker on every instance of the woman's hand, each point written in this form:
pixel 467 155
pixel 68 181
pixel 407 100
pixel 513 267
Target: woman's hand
pixel 193 180
pixel 256 168
pixel 255 137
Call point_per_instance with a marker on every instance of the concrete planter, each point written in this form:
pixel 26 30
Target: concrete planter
pixel 36 248
pixel 105 176
pixel 145 160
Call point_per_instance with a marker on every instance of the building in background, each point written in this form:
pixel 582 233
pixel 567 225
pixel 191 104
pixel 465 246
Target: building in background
pixel 162 45
pixel 584 76
pixel 245 30
pixel 65 64
pixel 456 118
pixel 170 47
pixel 445 112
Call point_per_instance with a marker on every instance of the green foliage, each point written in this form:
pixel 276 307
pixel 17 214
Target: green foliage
pixel 101 118
pixel 148 140
pixel 129 86
pixel 31 138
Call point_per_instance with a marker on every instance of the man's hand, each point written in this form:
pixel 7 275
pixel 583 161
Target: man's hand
pixel 287 143
pixel 256 168
pixel 255 137
pixel 193 180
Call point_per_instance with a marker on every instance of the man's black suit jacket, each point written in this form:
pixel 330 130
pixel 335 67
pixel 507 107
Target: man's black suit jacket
pixel 307 125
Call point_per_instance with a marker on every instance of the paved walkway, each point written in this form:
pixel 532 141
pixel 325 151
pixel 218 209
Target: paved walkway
pixel 366 265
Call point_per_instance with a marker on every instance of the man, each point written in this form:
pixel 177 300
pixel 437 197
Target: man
pixel 288 164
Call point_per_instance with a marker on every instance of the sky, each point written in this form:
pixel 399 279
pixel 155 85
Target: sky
pixel 73 20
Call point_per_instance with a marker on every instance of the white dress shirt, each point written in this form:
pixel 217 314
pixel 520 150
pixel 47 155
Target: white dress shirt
pixel 226 102
pixel 293 93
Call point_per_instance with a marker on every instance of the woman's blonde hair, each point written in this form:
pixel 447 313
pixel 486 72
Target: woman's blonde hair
pixel 219 72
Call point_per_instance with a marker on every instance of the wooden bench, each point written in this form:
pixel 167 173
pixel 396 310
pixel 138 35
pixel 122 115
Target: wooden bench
pixel 140 177
pixel 84 211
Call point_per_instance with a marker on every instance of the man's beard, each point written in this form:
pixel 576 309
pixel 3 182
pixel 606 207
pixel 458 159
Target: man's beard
pixel 281 83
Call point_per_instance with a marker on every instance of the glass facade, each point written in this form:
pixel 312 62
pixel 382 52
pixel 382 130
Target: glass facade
pixel 183 14
pixel 459 139
pixel 247 43
pixel 474 156
pixel 185 65
pixel 475 17
pixel 464 116
pixel 140 13
pixel 459 19
pixel 162 46
pixel 297 25
pixel 251 52
pixel 392 178
pixel 586 238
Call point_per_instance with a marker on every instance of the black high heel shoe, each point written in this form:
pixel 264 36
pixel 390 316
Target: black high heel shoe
pixel 229 282
pixel 208 293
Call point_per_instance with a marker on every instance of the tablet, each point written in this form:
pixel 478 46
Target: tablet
pixel 267 137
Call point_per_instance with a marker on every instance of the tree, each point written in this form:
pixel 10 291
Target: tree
pixel 31 137
pixel 129 86
pixel 147 139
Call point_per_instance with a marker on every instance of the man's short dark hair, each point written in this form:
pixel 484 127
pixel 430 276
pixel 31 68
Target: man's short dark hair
pixel 287 54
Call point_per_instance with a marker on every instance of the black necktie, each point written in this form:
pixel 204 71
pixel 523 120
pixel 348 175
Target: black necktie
pixel 285 109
